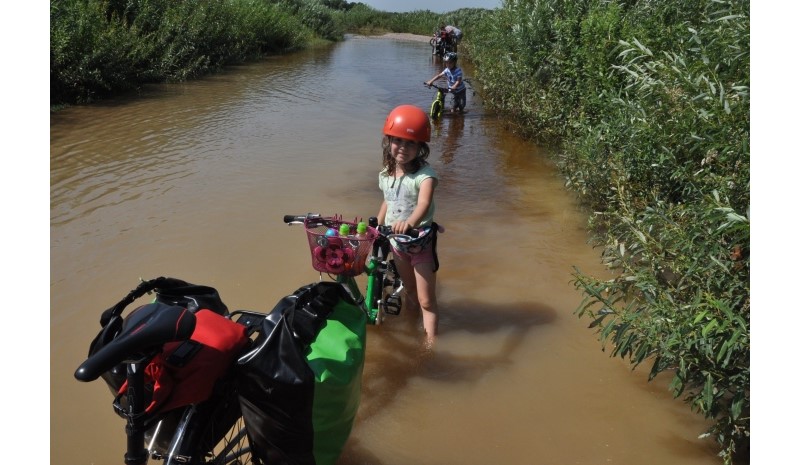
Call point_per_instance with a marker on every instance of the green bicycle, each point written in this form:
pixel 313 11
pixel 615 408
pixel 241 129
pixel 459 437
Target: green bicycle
pixel 346 249
pixel 437 107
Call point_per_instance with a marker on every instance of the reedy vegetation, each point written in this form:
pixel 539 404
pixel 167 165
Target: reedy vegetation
pixel 646 106
pixel 99 48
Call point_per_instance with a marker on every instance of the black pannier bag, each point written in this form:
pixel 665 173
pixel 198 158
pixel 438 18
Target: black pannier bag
pixel 300 385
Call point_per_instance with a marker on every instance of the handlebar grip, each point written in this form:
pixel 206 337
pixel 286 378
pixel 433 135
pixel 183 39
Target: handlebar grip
pixel 386 230
pixel 289 219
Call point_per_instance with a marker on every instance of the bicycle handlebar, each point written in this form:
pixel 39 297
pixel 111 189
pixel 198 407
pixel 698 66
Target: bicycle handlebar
pixel 443 89
pixel 383 230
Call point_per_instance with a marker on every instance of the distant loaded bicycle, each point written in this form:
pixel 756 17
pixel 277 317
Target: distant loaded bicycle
pixel 441 44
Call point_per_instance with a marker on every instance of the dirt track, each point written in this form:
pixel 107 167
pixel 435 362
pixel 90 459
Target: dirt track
pixel 404 36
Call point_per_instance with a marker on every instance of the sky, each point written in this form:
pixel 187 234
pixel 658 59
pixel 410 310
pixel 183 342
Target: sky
pixel 436 6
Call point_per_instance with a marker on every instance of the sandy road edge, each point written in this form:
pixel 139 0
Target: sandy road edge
pixel 396 36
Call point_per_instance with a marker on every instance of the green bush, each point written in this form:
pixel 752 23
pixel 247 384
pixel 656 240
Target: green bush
pixel 646 108
pixel 99 48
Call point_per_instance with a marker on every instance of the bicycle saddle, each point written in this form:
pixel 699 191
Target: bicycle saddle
pixel 146 328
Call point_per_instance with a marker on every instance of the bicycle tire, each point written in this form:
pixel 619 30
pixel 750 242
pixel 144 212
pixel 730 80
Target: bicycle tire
pixel 436 109
pixel 210 433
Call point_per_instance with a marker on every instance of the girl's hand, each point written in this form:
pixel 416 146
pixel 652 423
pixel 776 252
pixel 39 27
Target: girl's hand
pixel 401 226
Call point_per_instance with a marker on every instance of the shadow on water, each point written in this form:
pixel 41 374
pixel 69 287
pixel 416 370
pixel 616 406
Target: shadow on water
pixel 389 373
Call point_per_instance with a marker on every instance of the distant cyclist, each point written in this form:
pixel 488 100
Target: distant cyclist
pixel 451 33
pixel 455 82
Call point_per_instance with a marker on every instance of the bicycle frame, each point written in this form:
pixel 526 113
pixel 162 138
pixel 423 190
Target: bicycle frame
pixel 374 302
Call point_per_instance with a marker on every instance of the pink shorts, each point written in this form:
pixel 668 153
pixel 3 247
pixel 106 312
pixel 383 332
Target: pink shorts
pixel 423 256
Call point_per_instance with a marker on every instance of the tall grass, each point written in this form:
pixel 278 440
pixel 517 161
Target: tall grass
pixel 366 20
pixel 102 47
pixel 646 106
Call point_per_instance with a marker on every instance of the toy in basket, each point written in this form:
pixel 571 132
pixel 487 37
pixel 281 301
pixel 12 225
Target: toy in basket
pixel 339 247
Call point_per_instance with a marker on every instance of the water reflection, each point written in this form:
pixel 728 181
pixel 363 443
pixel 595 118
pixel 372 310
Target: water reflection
pixel 453 130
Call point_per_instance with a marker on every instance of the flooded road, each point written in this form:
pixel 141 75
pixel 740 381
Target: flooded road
pixel 192 181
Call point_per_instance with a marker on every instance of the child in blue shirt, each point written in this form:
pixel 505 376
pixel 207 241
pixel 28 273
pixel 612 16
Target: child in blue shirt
pixel 455 82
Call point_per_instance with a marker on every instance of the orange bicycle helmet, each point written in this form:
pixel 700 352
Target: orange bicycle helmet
pixel 408 122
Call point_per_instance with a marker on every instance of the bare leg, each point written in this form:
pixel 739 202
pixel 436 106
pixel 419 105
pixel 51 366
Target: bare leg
pixel 420 287
pixel 426 292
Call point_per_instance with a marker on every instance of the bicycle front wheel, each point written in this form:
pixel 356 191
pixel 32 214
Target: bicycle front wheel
pixel 436 109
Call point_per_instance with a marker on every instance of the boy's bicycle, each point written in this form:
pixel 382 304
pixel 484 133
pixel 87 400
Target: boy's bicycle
pixel 437 106
pixel 346 249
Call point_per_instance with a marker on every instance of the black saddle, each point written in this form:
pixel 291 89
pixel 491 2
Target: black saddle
pixel 142 334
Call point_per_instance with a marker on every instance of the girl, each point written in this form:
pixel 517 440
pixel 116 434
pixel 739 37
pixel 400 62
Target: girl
pixel 408 183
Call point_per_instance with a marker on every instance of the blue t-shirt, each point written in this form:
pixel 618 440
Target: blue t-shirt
pixel 453 76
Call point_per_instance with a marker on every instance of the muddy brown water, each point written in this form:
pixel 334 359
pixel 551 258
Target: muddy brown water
pixel 192 180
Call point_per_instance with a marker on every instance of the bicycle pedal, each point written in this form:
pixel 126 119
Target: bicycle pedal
pixel 392 305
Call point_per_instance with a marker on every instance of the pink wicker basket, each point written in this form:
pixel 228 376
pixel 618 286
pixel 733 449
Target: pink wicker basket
pixel 335 254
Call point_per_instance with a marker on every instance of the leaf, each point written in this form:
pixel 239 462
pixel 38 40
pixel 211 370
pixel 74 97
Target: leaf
pixel 723 350
pixel 597 321
pixel 708 327
pixel 725 18
pixel 708 394
pixel 736 406
pixel 700 316
pixel 642 47
pixel 735 217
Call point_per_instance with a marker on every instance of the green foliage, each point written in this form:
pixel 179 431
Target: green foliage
pixel 99 48
pixel 646 105
pixel 363 19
